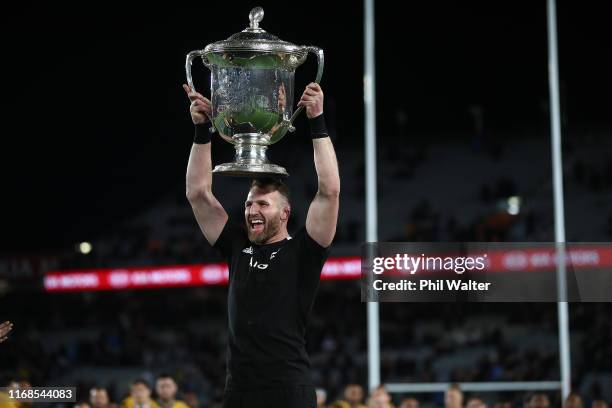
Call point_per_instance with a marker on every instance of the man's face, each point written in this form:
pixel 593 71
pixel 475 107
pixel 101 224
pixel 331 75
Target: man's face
pixel 140 393
pixel 475 403
pixel 191 399
pixel 410 403
pixel 382 393
pixel 573 401
pixel 453 398
pixel 378 401
pixel 353 394
pixel 264 212
pixel 166 388
pixel 98 398
pixel 321 398
pixel 539 401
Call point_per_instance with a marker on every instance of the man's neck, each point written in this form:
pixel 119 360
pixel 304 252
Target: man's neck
pixel 276 238
pixel 167 403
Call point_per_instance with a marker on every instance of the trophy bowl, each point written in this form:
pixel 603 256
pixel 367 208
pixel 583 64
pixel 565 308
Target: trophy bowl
pixel 252 90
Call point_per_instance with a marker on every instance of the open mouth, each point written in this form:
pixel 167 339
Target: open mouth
pixel 256 225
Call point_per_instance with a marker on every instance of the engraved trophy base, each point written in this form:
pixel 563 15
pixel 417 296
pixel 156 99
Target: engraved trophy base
pixel 251 160
pixel 249 170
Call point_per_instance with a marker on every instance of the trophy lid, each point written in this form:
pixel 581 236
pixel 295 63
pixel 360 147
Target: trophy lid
pixel 255 41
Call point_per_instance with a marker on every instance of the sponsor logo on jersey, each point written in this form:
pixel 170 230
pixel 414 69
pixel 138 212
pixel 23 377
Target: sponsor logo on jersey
pixel 258 265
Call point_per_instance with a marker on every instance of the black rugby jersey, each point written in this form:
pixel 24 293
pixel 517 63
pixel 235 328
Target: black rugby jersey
pixel 271 291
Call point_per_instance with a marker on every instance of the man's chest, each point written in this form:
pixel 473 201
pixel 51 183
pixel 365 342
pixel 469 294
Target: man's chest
pixel 263 283
pixel 255 269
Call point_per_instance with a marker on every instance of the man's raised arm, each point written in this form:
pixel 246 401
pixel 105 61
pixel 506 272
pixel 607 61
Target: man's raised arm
pixel 209 213
pixel 323 212
pixel 5 328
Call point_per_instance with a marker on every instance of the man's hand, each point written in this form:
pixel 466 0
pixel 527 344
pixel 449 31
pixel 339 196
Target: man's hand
pixel 5 328
pixel 209 213
pixel 200 109
pixel 312 100
pixel 282 98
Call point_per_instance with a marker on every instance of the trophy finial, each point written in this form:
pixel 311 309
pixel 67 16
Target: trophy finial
pixel 255 16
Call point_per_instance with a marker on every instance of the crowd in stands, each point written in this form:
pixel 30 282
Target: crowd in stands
pixel 165 393
pixel 183 332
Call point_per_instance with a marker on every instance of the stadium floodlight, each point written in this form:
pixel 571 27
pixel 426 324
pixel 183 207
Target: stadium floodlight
pixel 514 205
pixel 85 248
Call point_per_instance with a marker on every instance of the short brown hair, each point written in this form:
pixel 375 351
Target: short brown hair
pixel 455 387
pixel 141 381
pixel 273 184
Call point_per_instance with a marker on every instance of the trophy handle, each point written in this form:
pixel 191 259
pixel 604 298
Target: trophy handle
pixel 320 60
pixel 188 61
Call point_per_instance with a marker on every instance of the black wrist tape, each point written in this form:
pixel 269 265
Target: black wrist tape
pixel 318 129
pixel 202 135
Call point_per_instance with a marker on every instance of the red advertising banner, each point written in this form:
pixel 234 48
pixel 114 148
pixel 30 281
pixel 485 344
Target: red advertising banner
pixel 171 276
pixel 514 260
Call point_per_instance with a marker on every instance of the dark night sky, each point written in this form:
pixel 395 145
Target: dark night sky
pixel 95 123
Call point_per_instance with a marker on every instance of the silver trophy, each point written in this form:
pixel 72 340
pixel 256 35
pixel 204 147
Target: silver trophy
pixel 251 90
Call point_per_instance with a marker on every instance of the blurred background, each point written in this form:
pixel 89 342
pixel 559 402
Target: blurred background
pixel 96 136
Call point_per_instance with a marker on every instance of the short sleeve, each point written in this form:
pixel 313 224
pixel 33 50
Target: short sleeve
pixel 231 238
pixel 312 258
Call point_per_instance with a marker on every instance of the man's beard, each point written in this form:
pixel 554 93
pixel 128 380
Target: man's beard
pixel 271 228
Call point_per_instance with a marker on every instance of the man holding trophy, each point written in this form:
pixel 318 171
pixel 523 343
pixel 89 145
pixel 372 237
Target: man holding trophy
pixel 273 276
